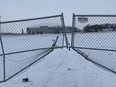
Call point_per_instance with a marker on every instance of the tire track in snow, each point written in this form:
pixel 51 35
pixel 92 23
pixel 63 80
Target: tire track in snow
pixel 62 57
pixel 64 75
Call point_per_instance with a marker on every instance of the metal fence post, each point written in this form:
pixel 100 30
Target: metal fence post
pixel 73 26
pixel 2 51
pixel 64 31
pixel 4 71
pixel 0 24
pixel 62 27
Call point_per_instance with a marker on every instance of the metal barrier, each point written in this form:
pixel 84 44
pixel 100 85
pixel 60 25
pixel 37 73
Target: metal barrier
pixel 24 42
pixel 95 40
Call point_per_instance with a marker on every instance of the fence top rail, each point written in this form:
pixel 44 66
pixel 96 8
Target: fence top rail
pixel 96 15
pixel 4 22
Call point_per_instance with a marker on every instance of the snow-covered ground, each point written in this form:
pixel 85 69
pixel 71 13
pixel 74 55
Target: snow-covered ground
pixel 99 40
pixel 63 68
pixel 15 43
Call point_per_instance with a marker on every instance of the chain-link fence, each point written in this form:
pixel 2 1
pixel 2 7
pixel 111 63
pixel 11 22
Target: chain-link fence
pixel 24 42
pixel 96 39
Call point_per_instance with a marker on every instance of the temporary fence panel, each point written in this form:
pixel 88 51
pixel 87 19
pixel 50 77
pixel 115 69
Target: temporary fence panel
pixel 96 39
pixel 24 42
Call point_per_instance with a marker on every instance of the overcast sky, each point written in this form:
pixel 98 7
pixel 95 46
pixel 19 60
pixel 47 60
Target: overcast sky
pixel 20 9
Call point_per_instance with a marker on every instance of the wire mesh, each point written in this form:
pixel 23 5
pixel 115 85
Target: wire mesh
pixel 105 59
pixel 1 69
pixel 96 39
pixel 18 62
pixel 26 41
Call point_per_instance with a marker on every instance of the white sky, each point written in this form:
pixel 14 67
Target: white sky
pixel 20 9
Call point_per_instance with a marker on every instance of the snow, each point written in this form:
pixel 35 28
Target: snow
pixel 14 43
pixel 101 40
pixel 63 68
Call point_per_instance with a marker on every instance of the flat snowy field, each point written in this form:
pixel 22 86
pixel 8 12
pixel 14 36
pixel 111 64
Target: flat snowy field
pixel 63 68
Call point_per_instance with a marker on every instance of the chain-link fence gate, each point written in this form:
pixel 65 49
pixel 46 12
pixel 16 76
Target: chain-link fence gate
pixel 96 40
pixel 24 42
